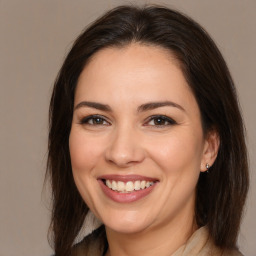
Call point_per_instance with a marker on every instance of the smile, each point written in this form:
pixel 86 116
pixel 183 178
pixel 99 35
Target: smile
pixel 126 188
pixel 129 186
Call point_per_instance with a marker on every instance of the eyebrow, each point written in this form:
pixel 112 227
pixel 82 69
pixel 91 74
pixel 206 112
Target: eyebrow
pixel 141 108
pixel 154 105
pixel 95 105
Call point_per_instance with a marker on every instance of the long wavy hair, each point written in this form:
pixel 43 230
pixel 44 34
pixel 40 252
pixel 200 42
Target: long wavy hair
pixel 220 194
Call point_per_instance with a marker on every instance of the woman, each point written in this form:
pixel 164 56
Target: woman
pixel 146 132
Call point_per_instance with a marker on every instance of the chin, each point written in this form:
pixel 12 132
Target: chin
pixel 125 228
pixel 126 223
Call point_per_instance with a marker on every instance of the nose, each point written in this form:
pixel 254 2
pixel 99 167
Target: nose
pixel 125 148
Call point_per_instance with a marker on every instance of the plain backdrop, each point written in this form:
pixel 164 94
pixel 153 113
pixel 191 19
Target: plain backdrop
pixel 35 35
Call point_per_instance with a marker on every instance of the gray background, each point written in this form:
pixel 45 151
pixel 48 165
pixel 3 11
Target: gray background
pixel 35 36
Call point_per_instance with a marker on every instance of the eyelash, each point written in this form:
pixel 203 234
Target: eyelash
pixel 162 118
pixel 86 120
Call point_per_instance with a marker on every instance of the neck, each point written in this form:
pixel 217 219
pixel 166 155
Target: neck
pixel 162 240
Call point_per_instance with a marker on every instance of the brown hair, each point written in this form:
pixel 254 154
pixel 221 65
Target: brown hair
pixel 221 194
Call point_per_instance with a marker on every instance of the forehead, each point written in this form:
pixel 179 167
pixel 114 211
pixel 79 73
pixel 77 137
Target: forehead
pixel 136 54
pixel 152 72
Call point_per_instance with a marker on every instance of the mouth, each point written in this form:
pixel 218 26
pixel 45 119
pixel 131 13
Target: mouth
pixel 129 186
pixel 126 189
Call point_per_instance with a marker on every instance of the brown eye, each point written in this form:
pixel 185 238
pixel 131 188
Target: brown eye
pixel 97 120
pixel 94 120
pixel 160 121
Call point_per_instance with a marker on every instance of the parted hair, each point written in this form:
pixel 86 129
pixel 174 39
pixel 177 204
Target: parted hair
pixel 221 193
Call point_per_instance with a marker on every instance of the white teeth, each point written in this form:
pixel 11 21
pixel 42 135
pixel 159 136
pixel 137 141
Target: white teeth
pixel 120 186
pixel 114 185
pixel 143 184
pixel 148 184
pixel 109 183
pixel 129 186
pixel 137 185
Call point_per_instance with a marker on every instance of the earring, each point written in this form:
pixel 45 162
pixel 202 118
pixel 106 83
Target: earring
pixel 207 167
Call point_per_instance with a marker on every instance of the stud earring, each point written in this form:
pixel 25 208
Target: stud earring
pixel 207 167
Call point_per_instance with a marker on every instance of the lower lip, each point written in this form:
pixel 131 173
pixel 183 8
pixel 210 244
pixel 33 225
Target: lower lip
pixel 126 197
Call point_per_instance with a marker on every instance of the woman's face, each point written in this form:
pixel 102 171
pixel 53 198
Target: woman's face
pixel 136 142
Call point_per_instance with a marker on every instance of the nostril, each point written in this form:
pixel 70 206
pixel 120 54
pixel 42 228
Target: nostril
pixel 125 149
pixel 123 159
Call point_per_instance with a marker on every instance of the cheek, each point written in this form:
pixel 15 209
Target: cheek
pixel 84 154
pixel 178 153
pixel 84 151
pixel 178 157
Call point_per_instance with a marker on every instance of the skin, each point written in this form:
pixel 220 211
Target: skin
pixel 126 141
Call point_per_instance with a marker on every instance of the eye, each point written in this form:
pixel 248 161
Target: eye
pixel 160 120
pixel 94 120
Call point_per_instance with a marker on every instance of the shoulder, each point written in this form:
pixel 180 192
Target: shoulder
pixel 214 250
pixel 93 244
pixel 201 244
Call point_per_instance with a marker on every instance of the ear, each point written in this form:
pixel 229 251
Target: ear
pixel 210 152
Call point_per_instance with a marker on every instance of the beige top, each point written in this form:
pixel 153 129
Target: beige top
pixel 199 244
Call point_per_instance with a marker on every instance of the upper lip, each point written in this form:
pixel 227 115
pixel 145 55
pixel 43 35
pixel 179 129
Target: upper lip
pixel 126 178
